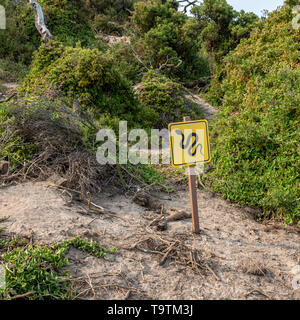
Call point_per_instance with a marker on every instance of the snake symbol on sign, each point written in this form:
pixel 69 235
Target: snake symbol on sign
pixel 184 145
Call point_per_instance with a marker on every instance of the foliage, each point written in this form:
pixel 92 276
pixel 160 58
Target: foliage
pixel 88 75
pixel 126 62
pixel 165 99
pixel 20 39
pixel 37 271
pixel 256 135
pixel 168 39
pixel 68 21
pixel 221 27
pixel 41 136
pixel 13 147
pixel 11 71
pixel 109 16
pixel 91 247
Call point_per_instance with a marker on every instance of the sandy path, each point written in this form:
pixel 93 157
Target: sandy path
pixel 208 110
pixel 229 235
pixel 6 89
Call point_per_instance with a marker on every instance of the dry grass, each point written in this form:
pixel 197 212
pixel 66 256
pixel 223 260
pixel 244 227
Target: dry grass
pixel 57 136
pixel 257 268
pixel 179 253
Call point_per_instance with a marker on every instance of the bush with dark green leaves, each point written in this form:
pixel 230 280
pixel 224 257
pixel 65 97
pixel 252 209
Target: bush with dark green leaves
pixel 256 136
pixel 168 39
pixel 221 28
pixel 110 16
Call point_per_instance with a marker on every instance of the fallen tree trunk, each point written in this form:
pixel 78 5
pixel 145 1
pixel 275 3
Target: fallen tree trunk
pixel 40 21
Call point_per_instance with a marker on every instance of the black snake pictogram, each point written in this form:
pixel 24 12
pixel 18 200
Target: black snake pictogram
pixel 194 144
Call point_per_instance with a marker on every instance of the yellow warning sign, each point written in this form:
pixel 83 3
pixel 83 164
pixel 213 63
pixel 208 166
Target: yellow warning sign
pixel 189 143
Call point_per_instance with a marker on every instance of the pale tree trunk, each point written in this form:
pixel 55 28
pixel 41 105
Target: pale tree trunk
pixel 40 21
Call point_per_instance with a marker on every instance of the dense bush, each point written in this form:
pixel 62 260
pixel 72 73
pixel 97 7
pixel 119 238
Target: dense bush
pixel 127 62
pixel 109 16
pixel 20 38
pixel 11 71
pixel 71 21
pixel 256 136
pixel 13 146
pixel 169 38
pixel 88 75
pixel 68 20
pixel 165 99
pixel 221 28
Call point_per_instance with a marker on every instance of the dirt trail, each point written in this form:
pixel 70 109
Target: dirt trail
pixel 246 259
pixel 7 89
pixel 208 110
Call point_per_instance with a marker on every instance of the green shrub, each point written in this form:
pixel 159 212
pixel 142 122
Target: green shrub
pixel 221 28
pixel 69 22
pixel 35 270
pixel 126 62
pixel 88 75
pixel 13 147
pixel 168 39
pixel 109 16
pixel 11 71
pixel 255 138
pixel 20 38
pixel 165 99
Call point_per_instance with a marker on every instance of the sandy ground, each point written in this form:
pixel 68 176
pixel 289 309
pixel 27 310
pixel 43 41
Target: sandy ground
pixel 246 259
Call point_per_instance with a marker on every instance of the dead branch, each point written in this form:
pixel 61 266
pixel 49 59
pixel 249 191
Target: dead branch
pixel 40 21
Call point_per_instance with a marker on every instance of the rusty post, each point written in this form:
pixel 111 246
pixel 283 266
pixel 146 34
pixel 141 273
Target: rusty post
pixel 193 194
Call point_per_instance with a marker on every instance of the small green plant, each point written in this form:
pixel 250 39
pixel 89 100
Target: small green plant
pixel 34 271
pixel 91 247
pixel 3 219
pixel 37 272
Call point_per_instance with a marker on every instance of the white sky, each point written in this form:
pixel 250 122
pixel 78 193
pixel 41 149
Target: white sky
pixel 256 6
